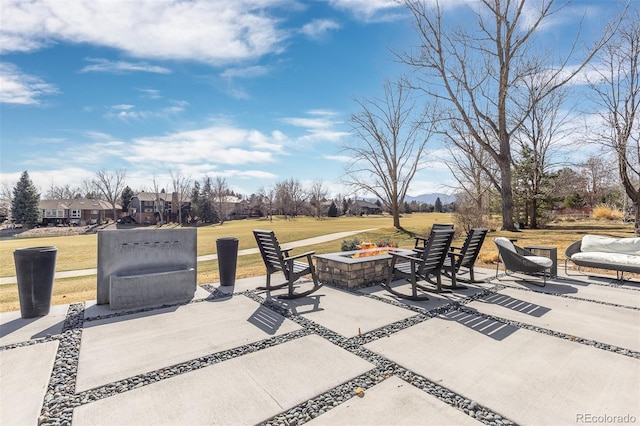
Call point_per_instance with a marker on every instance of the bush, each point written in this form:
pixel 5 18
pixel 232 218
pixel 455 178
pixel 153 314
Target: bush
pixel 350 245
pixel 604 212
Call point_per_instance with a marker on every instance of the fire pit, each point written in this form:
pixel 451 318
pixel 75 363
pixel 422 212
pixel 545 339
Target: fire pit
pixel 356 268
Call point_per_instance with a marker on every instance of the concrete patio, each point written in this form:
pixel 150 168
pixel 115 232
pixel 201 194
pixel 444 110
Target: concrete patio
pixel 501 352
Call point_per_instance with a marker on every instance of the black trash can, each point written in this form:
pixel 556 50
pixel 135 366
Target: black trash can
pixel 35 271
pixel 227 249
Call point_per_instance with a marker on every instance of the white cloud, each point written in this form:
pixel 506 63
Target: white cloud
pixel 105 65
pixel 318 28
pixel 150 93
pixel 20 88
pixel 339 158
pixel 370 10
pixel 216 33
pixel 246 72
pixel 126 112
pixel 216 144
pixel 321 126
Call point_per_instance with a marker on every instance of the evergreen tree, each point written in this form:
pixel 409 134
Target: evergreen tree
pixel 195 200
pixel 26 199
pixel 333 210
pixel 125 198
pixel 438 206
pixel 207 212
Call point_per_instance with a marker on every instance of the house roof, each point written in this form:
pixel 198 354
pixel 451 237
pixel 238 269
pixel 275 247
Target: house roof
pixel 366 204
pixel 76 204
pixel 150 196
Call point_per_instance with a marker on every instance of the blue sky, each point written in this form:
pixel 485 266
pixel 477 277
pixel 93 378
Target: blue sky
pixel 257 91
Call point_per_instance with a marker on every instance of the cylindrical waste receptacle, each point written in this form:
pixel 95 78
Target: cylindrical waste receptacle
pixel 35 271
pixel 227 249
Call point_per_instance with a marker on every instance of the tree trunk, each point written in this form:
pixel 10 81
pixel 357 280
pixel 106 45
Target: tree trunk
pixel 534 214
pixel 506 193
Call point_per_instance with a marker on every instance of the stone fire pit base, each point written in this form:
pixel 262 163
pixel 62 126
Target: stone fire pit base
pixel 344 271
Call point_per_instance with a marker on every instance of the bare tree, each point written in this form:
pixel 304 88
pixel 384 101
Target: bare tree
pixel 318 193
pixel 596 171
pixel 392 138
pixel 89 189
pixel 221 193
pixel 544 124
pixel 617 90
pixel 269 197
pixel 65 192
pixel 474 172
pixel 181 191
pixel 110 185
pixel 159 202
pixel 478 68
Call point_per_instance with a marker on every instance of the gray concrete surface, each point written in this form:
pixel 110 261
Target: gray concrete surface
pixel 129 262
pixel 533 356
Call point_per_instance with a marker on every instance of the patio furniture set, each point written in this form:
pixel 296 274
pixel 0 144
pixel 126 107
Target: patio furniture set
pixel 431 258
pixel 434 256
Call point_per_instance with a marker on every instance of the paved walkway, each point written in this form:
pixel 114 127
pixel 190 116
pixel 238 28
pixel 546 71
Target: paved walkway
pixel 500 352
pixel 293 244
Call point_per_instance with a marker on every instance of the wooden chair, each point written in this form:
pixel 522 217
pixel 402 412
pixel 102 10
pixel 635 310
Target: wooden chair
pixel 465 256
pixel 421 265
pixel 517 259
pixel 421 242
pixel 277 259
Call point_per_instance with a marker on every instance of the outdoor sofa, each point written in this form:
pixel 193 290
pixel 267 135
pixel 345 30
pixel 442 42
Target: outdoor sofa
pixel 615 254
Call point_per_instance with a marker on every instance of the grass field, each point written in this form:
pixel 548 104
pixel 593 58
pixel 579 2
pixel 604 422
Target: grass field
pixel 80 251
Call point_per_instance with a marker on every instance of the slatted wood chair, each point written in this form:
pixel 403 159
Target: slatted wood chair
pixel 277 259
pixel 421 242
pixel 465 256
pixel 421 266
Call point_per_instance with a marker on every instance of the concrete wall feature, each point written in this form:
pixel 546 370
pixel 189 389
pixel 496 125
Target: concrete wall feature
pixel 130 291
pixel 132 252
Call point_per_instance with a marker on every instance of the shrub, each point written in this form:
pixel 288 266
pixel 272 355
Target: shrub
pixel 604 212
pixel 350 245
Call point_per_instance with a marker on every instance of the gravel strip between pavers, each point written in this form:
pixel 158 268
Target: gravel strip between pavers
pixel 60 398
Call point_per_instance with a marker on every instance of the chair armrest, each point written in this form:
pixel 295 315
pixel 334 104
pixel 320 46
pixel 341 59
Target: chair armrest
pixel 298 256
pixel 523 252
pixel 419 239
pixel 573 248
pixel 407 257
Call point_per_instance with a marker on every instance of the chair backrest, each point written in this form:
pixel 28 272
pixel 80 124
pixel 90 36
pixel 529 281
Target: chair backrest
pixel 436 250
pixel 471 247
pixel 440 226
pixel 270 250
pixel 505 243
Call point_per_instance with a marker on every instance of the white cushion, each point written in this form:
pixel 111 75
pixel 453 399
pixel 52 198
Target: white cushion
pixel 505 242
pixel 608 258
pixel 596 243
pixel 542 261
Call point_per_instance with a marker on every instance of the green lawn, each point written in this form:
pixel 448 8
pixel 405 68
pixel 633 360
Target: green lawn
pixel 79 252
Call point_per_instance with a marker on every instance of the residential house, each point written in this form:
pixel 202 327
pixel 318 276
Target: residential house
pixel 361 207
pixel 77 211
pixel 145 207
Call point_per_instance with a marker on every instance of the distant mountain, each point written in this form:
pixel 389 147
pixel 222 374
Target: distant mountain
pixel 431 198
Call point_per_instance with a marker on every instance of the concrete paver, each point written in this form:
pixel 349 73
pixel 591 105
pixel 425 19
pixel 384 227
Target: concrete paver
pixel 169 336
pixel 602 323
pixel 394 402
pixel 15 329
pixel 513 369
pixel 583 289
pixel 344 312
pixel 241 391
pixel 24 376
pixel 529 377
